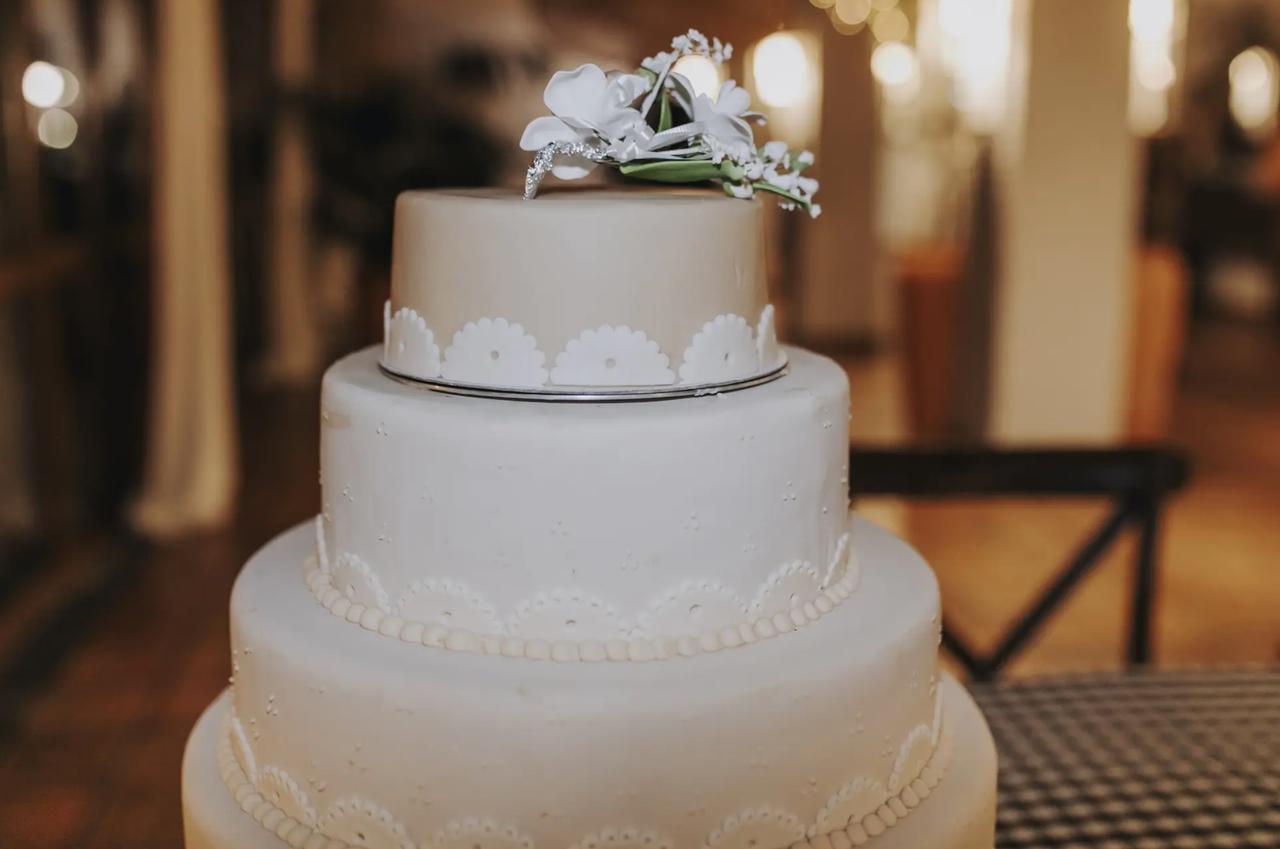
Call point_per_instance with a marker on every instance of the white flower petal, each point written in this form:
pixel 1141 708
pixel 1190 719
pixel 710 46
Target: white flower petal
pixel 546 130
pixel 627 87
pixel 733 100
pixel 576 93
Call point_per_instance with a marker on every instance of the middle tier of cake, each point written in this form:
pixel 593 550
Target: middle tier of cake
pixel 717 518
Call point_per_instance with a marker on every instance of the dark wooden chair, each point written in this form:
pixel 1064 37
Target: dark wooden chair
pixel 1137 482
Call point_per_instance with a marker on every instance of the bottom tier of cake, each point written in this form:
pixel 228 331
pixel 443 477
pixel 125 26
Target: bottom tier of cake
pixel 959 812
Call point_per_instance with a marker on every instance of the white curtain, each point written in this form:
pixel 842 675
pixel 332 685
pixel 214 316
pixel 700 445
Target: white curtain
pixel 191 464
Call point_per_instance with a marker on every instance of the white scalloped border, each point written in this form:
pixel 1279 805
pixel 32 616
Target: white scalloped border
pixel 638 649
pixel 410 348
pixel 897 807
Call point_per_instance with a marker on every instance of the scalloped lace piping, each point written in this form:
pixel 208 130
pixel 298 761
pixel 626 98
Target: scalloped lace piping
pixel 862 807
pixel 474 627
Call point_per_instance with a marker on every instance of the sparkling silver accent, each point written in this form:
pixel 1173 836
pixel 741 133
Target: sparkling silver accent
pixel 545 159
pixel 594 394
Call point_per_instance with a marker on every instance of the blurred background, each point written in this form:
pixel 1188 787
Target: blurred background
pixel 1048 258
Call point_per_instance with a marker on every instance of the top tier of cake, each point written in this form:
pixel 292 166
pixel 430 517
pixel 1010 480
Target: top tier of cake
pixel 579 288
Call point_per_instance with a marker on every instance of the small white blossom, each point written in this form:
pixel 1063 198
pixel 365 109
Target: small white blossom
pixel 741 190
pixel 774 150
pixel 660 62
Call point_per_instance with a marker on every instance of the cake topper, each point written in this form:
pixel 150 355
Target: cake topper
pixel 652 125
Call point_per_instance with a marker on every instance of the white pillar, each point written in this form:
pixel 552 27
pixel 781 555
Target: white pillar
pixel 1066 181
pixel 294 349
pixel 191 464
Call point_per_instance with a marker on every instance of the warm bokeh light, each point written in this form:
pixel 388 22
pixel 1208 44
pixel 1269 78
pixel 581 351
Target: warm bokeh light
pixel 57 129
pixel 976 36
pixel 43 85
pixel 703 74
pixel 852 12
pixel 1254 88
pixel 882 5
pixel 70 88
pixel 823 4
pixel 1155 73
pixel 1152 72
pixel 781 68
pixel 1151 20
pixel 891 25
pixel 896 68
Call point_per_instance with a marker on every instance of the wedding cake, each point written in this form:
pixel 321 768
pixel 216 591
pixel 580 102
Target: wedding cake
pixel 585 575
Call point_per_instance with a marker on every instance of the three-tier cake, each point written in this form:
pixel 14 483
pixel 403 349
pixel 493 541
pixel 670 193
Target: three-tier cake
pixel 558 616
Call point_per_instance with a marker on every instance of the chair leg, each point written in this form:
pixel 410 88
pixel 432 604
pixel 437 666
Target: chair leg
pixel 956 647
pixel 1059 588
pixel 1144 581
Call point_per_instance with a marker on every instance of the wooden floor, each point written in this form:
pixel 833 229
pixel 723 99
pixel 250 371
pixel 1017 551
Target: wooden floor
pixel 91 758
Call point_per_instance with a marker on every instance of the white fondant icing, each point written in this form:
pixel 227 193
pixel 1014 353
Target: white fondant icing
pixel 278 788
pixel 567 615
pixel 618 502
pixel 850 803
pixel 767 338
pixel 243 751
pixel 576 260
pixel 446 614
pixel 913 754
pixel 842 561
pixel 477 833
pixel 364 824
pixel 624 838
pixel 356 580
pixel 791 586
pixel 927 814
pixel 716 729
pixel 612 356
pixel 441 601
pixel 724 349
pixel 694 607
pixel 757 828
pixel 409 346
pixel 494 351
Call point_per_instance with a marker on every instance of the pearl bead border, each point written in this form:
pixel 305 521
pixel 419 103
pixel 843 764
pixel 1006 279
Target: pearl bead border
pixel 634 649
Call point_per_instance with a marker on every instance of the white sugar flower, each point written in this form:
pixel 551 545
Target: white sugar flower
pixel 585 104
pixel 785 180
pixel 660 62
pixel 774 151
pixel 722 119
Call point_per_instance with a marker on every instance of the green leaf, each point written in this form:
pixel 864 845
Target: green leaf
pixel 672 171
pixel 664 113
pixel 731 170
pixel 762 186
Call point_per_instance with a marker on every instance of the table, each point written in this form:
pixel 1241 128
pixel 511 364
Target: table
pixel 1141 760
